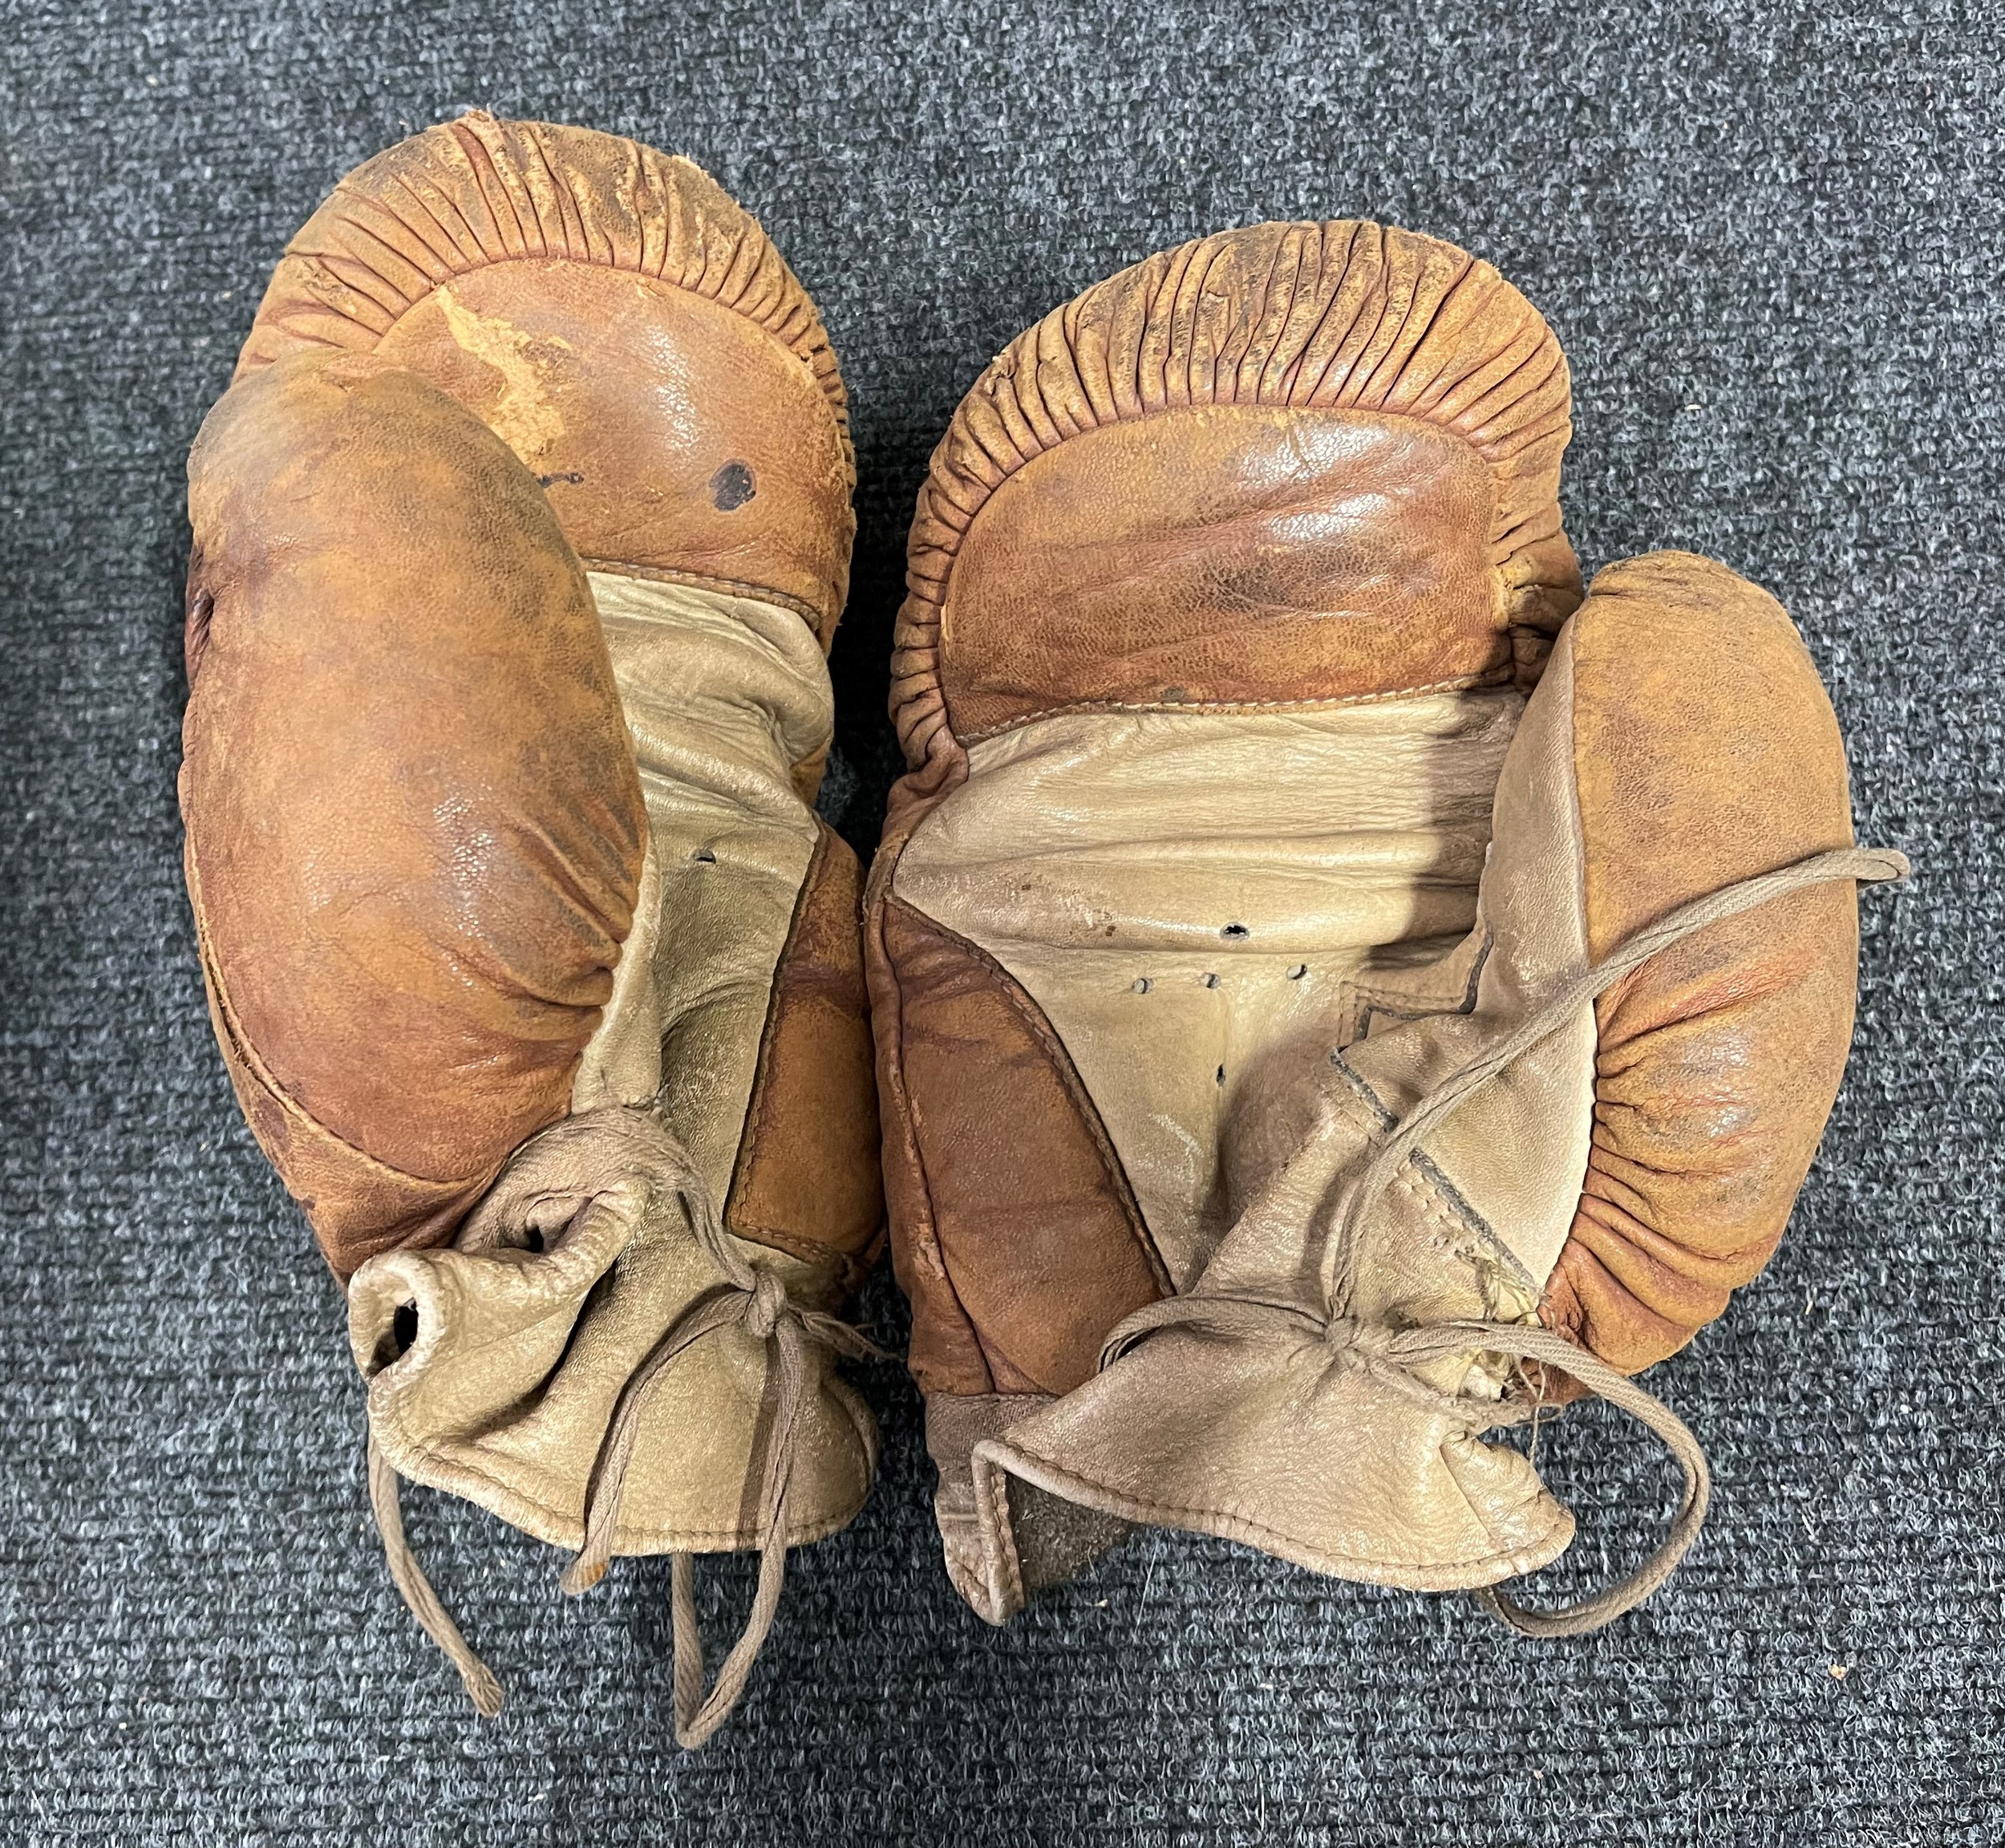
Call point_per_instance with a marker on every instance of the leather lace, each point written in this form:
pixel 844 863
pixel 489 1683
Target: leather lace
pixel 1396 1355
pixel 751 1297
pixel 757 1300
pixel 422 1601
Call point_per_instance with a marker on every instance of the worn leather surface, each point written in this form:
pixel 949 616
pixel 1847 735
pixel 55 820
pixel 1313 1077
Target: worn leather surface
pixel 1035 1246
pixel 1706 751
pixel 724 696
pixel 494 1364
pixel 1292 555
pixel 1227 584
pixel 1281 1439
pixel 1292 1444
pixel 1372 322
pixel 808 1180
pixel 1196 903
pixel 1249 487
pixel 633 376
pixel 401 719
pixel 955 1424
pixel 743 1041
pixel 623 324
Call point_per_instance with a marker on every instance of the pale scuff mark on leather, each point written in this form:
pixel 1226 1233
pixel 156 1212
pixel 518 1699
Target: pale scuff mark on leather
pixel 479 191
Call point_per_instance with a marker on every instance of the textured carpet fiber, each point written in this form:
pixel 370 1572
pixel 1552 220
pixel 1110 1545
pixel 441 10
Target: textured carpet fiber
pixel 1772 245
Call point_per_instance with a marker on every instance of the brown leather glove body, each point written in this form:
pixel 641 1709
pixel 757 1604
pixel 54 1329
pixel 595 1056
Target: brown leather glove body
pixel 1269 775
pixel 520 539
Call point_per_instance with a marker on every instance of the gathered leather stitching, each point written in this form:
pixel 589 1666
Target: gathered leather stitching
pixel 1489 677
pixel 774 319
pixel 999 1513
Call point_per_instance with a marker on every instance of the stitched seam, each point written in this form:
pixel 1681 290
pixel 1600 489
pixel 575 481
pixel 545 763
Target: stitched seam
pixel 933 591
pixel 701 580
pixel 1457 1209
pixel 760 1101
pixel 901 1098
pixel 549 255
pixel 1490 677
pixel 1378 1000
pixel 1190 403
pixel 759 1106
pixel 255 1065
pixel 999 1513
pixel 565 255
pixel 655 1537
pixel 1444 1199
pixel 795 1244
pixel 1174 1512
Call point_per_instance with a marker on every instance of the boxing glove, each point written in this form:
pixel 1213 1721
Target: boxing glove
pixel 518 540
pixel 1334 989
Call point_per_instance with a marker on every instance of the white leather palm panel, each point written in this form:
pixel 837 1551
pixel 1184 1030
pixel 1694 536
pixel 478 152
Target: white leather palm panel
pixel 723 696
pixel 1515 1153
pixel 1198 901
pixel 1266 1436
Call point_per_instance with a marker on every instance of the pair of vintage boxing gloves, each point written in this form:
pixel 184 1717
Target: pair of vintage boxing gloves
pixel 1326 989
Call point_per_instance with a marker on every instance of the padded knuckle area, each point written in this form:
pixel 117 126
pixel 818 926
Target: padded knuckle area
pixel 1291 462
pixel 412 815
pixel 1227 556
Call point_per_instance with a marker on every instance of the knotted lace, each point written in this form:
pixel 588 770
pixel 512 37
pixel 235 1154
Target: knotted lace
pixel 1396 1355
pixel 753 1299
pixel 758 1301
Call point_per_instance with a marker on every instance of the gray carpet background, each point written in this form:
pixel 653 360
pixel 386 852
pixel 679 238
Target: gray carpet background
pixel 1771 239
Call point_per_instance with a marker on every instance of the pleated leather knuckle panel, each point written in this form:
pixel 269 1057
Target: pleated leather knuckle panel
pixel 586 297
pixel 1288 463
pixel 1706 751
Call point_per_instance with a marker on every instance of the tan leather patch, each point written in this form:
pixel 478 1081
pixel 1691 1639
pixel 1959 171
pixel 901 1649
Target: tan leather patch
pixel 1236 555
pixel 1039 1235
pixel 1706 751
pixel 808 1180
pixel 413 821
pixel 670 434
